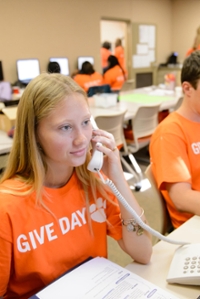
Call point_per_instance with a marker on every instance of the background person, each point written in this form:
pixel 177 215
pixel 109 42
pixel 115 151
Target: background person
pixel 54 212
pixel 114 74
pixel 175 149
pixel 196 45
pixel 53 67
pixel 105 53
pixel 119 53
pixel 88 77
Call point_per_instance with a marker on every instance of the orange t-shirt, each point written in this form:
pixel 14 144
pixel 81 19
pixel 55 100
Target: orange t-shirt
pixel 175 157
pixel 105 53
pixel 114 77
pixel 119 53
pixel 87 81
pixel 37 247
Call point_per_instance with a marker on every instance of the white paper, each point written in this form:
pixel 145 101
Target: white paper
pixel 147 35
pixel 102 279
pixel 140 61
pixel 152 36
pixel 142 49
pixel 143 34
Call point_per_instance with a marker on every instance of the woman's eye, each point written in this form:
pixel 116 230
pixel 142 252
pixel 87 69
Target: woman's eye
pixel 66 128
pixel 86 122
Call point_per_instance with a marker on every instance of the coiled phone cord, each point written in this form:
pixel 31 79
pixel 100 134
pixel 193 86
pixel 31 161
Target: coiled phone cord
pixel 135 215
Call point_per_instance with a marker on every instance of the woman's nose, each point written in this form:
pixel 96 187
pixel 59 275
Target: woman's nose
pixel 80 138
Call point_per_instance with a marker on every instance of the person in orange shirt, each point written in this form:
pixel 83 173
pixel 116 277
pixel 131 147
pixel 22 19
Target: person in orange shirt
pixel 119 53
pixel 54 212
pixel 175 149
pixel 114 75
pixel 105 53
pixel 196 45
pixel 88 77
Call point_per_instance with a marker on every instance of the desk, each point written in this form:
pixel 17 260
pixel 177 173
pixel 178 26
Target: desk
pixel 132 100
pixel 156 272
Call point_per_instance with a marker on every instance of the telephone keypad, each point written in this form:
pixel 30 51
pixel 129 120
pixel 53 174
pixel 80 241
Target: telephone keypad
pixel 191 264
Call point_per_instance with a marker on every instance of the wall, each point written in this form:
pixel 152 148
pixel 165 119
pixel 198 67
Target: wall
pixel 46 28
pixel 185 23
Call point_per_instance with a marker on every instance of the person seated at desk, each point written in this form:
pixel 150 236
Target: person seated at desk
pixel 114 74
pixel 175 149
pixel 53 67
pixel 88 77
pixel 54 212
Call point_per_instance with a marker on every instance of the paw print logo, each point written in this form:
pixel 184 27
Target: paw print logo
pixel 97 211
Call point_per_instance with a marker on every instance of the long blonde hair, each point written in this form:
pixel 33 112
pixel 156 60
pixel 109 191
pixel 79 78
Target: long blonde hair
pixel 26 162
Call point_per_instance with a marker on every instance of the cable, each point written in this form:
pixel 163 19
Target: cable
pixel 135 215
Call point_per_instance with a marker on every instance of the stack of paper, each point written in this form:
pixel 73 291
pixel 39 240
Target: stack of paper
pixel 100 278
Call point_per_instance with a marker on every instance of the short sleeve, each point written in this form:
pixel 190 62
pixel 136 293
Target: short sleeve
pixel 169 157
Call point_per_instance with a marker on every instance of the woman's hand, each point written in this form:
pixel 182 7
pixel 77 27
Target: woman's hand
pixel 112 165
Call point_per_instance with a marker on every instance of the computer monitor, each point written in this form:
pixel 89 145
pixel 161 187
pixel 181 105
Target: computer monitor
pixel 1 72
pixel 27 69
pixel 82 59
pixel 64 64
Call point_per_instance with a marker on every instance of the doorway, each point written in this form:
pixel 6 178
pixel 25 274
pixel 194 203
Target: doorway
pixel 110 30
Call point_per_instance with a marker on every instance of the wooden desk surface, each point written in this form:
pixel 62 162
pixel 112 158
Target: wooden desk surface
pixel 156 272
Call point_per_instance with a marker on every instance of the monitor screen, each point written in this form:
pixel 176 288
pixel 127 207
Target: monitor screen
pixel 27 69
pixel 64 64
pixel 82 59
pixel 1 71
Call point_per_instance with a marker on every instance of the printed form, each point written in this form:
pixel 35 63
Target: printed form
pixel 100 278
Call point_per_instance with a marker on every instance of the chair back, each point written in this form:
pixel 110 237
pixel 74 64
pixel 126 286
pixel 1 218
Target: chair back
pixel 128 85
pixel 143 125
pixel 99 89
pixel 178 104
pixel 113 123
pixel 157 212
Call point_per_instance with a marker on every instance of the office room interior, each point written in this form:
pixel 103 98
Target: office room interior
pixel 44 29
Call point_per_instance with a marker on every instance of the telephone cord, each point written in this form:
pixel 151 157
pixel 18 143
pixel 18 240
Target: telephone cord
pixel 139 221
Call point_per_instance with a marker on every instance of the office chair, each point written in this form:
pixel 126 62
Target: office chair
pixel 138 136
pixel 113 124
pixel 156 211
pixel 178 104
pixel 128 85
pixel 99 89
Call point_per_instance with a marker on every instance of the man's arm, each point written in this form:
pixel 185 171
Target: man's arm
pixel 184 198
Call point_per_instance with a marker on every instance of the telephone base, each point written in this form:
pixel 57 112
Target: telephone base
pixel 185 266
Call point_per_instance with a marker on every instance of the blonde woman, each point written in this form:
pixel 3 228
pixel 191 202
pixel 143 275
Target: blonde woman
pixel 54 212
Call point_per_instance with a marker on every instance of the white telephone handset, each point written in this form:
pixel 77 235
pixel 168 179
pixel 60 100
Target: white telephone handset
pixel 96 161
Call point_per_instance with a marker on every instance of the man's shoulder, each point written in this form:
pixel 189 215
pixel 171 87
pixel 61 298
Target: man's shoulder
pixel 173 124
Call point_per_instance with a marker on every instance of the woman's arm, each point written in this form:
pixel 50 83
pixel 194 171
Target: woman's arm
pixel 138 246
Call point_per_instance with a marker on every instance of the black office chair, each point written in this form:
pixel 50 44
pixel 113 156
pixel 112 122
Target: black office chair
pixel 99 89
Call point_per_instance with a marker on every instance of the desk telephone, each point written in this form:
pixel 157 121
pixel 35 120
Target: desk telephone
pixel 177 273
